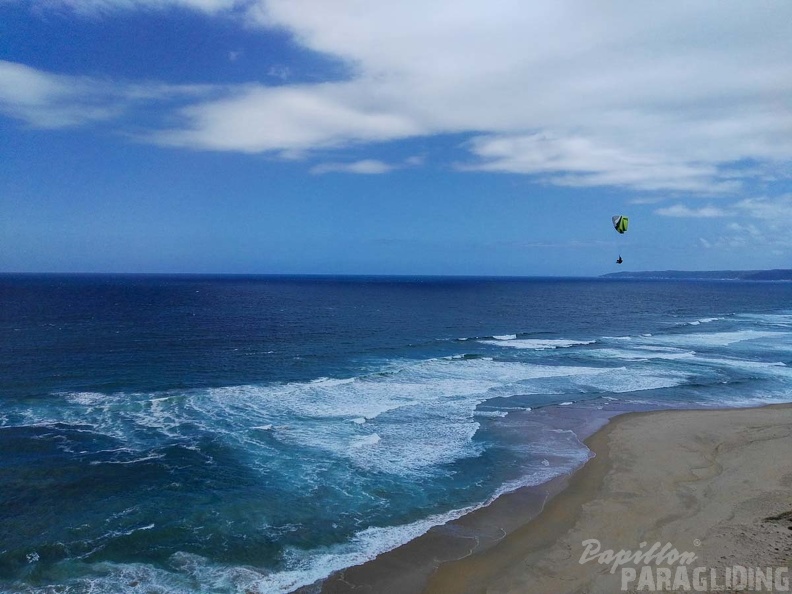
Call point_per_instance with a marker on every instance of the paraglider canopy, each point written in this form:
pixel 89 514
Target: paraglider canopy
pixel 620 223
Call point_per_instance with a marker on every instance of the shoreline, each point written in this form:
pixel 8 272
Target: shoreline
pixel 649 479
pixel 407 568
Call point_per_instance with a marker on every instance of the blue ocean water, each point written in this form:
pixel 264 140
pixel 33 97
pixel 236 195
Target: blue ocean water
pixel 253 434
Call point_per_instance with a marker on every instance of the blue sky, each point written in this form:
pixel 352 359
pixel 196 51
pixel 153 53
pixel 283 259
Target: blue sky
pixel 412 137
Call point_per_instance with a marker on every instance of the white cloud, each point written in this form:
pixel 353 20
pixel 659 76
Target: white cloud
pixel 89 7
pixel 655 199
pixel 49 101
pixel 760 222
pixel 288 118
pixel 366 166
pixel 650 96
pixel 579 161
pixel 680 210
pixel 773 226
pixel 46 100
pixel 775 211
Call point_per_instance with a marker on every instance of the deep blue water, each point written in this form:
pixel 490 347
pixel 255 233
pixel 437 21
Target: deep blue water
pixel 233 434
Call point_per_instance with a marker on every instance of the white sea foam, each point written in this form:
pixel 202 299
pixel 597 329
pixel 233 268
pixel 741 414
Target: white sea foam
pixel 703 321
pixel 758 399
pixel 432 398
pixel 117 578
pixel 148 458
pixel 624 380
pixel 768 320
pixel 538 344
pixel 330 382
pixel 715 339
pixel 644 353
pixel 505 337
pixel 424 411
pixel 188 573
pixel 491 413
pixel 86 398
pixel 307 567
pixel 368 440
pixel 765 368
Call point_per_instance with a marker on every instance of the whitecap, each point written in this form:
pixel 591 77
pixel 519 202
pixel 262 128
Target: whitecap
pixel 715 339
pixel 368 440
pixel 643 353
pixel 703 321
pixel 86 398
pixel 539 344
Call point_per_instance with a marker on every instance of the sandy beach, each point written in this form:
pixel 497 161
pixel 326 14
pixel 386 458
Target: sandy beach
pixel 701 499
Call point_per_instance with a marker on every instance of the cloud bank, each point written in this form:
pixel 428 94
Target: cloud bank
pixel 763 221
pixel 52 101
pixel 647 96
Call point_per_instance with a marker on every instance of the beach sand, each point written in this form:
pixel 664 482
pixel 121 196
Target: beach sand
pixel 716 484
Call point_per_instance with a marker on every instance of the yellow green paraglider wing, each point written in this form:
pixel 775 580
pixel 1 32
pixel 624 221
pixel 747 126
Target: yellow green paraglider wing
pixel 620 223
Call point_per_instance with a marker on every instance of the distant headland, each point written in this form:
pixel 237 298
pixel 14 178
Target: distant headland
pixel 749 275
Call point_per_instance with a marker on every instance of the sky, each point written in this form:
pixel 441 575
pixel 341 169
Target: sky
pixel 418 137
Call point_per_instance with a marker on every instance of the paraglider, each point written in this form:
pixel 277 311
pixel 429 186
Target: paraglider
pixel 620 224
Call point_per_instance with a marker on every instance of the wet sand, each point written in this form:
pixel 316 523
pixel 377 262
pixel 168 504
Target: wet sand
pixel 716 484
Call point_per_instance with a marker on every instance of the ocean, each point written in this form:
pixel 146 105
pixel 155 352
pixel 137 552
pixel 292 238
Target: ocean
pixel 211 434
